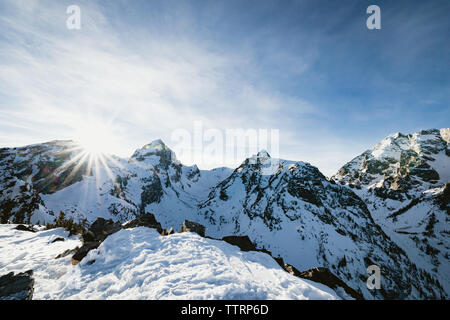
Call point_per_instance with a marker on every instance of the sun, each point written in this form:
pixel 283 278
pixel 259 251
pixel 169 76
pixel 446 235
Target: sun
pixel 94 144
pixel 96 138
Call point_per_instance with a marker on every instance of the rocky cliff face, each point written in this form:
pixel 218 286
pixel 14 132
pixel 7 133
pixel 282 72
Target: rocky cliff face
pixel 401 165
pixel 404 182
pixel 32 171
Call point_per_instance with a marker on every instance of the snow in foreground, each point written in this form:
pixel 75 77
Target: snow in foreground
pixel 140 264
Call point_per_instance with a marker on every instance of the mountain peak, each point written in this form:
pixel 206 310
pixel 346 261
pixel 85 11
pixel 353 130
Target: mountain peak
pixel 157 144
pixel 421 157
pixel 445 134
pixel 263 154
pixel 262 158
pixel 155 148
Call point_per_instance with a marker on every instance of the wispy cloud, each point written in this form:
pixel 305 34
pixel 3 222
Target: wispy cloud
pixel 319 76
pixel 57 78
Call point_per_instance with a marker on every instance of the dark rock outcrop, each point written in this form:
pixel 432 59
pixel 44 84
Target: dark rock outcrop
pixel 100 229
pixel 324 276
pixel 22 227
pixel 444 198
pixel 243 242
pixel 17 286
pixel 94 236
pixel 189 226
pixel 167 232
pixel 83 251
pixel 144 220
pixel 320 275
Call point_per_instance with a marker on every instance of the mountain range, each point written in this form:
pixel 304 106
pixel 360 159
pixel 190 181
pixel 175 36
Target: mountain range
pixel 388 206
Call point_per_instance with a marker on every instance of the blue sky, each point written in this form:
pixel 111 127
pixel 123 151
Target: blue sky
pixel 137 70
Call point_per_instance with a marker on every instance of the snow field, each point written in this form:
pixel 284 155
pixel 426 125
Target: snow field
pixel 140 264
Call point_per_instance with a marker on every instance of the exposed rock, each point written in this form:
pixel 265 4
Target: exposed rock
pixel 144 220
pixel 168 232
pixel 324 276
pixel 189 226
pixel 280 261
pixel 152 191
pixel 67 252
pixel 100 229
pixel 83 251
pixel 243 242
pixel 402 161
pixel 96 234
pixel 17 287
pixel 444 198
pixel 58 239
pixel 22 227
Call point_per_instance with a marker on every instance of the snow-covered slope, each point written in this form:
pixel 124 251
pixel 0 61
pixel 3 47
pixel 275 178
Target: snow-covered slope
pixel 296 213
pixel 402 181
pixel 29 172
pixel 22 250
pixel 138 263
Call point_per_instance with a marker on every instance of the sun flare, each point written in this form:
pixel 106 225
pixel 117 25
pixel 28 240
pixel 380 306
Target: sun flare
pixel 96 138
pixel 94 144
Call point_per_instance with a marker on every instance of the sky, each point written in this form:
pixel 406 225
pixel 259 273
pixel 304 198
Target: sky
pixel 139 70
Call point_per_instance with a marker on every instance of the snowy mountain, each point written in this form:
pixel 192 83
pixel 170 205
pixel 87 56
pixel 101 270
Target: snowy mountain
pixel 39 181
pixel 286 207
pixel 30 172
pixel 296 213
pixel 138 263
pixel 404 180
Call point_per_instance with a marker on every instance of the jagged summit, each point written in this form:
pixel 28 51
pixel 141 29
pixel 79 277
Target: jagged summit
pixel 445 134
pixel 156 151
pixel 423 156
pixel 155 145
pixel 263 154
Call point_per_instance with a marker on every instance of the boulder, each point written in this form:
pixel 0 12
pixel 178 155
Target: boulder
pixel 280 261
pixel 58 239
pixel 17 286
pixel 83 251
pixel 100 229
pixel 166 232
pixel 189 226
pixel 94 236
pixel 22 227
pixel 144 220
pixel 243 242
